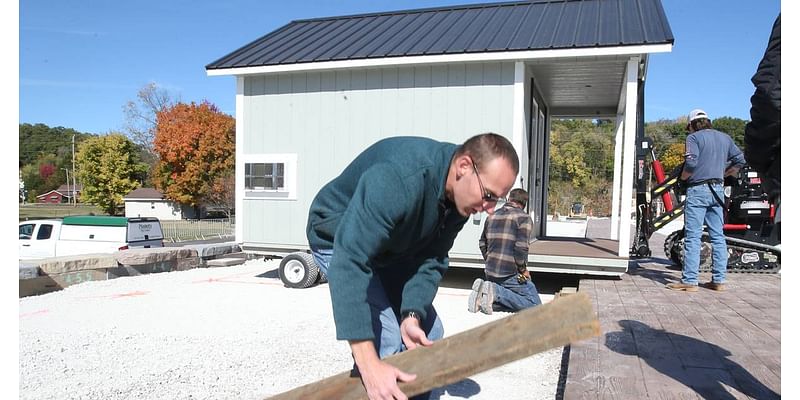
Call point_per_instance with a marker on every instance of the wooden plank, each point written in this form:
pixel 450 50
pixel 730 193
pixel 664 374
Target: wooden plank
pixel 558 323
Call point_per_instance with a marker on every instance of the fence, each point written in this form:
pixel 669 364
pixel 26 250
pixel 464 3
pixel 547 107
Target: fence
pixel 197 229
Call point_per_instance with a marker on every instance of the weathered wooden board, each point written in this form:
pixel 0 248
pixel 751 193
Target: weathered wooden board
pixel 567 319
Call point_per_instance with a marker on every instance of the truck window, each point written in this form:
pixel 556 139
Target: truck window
pixel 26 231
pixel 44 232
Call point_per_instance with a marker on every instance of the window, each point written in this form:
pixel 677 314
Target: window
pixel 264 176
pixel 44 232
pixel 25 231
pixel 268 176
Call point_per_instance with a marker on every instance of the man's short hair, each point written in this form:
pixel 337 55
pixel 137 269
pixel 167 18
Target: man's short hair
pixel 486 147
pixel 519 196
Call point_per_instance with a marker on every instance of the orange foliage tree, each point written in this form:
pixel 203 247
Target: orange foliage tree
pixel 195 144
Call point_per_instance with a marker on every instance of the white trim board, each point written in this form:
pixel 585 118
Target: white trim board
pixel 445 58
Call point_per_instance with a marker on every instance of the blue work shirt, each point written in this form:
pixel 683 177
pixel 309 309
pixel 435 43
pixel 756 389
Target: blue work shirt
pixel 709 153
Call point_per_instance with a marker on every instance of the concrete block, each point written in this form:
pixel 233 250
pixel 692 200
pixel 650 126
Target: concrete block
pixel 66 264
pixel 50 283
pixel 183 264
pixel 28 270
pixel 152 256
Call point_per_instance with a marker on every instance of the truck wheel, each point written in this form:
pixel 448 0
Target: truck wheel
pixel 298 270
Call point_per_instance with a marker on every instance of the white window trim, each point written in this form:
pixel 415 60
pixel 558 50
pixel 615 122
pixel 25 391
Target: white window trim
pixel 289 190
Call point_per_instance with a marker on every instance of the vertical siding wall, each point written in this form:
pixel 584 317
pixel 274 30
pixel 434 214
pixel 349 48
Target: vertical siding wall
pixel 327 118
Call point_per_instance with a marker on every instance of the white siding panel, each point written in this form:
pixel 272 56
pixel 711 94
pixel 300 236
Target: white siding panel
pixel 163 210
pixel 327 118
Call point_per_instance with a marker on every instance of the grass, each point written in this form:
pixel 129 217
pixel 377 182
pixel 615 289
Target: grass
pixel 40 211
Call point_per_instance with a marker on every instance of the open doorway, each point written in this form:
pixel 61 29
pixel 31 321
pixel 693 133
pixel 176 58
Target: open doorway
pixel 581 168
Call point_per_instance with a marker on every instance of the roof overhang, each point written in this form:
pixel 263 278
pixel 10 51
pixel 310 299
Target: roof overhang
pixel 446 58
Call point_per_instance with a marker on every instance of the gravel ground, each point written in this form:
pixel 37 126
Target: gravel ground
pixel 221 333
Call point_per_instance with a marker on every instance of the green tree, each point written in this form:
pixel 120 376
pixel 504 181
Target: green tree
pixel 733 127
pixel 581 164
pixel 39 139
pixel 109 168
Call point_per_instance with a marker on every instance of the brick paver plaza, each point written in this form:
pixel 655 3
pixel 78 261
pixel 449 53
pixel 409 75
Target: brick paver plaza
pixel 663 344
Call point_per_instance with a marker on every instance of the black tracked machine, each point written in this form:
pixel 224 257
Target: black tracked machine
pixel 751 234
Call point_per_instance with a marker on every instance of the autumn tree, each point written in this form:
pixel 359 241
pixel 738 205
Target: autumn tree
pixel 673 157
pixel 140 115
pixel 195 145
pixel 109 168
pixel 140 118
pixel 222 195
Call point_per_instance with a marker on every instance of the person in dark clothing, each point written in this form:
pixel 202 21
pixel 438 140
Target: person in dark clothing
pixel 504 245
pixel 762 135
pixel 711 155
pixel 381 232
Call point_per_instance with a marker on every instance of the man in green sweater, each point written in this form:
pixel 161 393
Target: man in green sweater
pixel 381 232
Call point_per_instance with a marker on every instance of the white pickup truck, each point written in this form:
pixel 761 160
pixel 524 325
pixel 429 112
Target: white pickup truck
pixel 86 234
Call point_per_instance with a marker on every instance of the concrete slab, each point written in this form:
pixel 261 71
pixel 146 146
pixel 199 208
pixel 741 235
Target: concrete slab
pixel 225 262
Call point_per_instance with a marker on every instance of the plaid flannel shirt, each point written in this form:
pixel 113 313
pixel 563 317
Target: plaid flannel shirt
pixel 504 241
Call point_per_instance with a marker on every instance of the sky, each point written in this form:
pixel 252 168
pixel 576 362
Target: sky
pixel 81 61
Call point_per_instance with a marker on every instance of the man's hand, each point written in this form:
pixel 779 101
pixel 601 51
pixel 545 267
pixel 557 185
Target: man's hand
pixel 526 273
pixel 412 334
pixel 379 378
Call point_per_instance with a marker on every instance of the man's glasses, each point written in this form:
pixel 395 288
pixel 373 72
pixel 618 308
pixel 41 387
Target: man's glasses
pixel 488 196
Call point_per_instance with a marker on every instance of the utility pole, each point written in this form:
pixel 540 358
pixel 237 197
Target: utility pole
pixel 67 171
pixel 74 190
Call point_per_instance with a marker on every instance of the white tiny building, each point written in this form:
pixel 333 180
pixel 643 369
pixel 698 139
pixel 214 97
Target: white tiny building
pixel 149 202
pixel 314 93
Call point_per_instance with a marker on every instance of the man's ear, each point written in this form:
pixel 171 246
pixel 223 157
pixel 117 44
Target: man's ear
pixel 463 164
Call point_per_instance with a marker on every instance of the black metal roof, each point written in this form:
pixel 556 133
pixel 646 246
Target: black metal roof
pixel 474 28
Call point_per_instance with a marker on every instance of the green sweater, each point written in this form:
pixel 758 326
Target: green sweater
pixel 386 217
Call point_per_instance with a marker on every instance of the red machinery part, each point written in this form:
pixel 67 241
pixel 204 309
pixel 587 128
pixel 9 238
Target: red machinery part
pixel 660 178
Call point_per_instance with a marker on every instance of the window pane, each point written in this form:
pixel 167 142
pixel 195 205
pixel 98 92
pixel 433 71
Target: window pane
pixel 259 169
pixel 269 183
pixel 269 169
pixel 44 231
pixel 279 182
pixel 25 231
pixel 247 169
pixel 259 182
pixel 280 169
pixel 248 184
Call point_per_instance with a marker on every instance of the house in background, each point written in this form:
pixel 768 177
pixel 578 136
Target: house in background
pixel 150 202
pixel 314 93
pixel 63 194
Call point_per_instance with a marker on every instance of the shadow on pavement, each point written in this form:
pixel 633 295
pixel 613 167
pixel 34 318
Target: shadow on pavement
pixel 699 365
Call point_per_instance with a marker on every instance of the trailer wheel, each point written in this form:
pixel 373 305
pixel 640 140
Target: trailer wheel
pixel 298 270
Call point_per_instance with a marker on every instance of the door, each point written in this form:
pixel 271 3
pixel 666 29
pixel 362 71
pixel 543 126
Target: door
pixel 536 188
pixel 36 240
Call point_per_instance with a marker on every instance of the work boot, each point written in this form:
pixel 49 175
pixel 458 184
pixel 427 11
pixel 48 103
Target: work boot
pixel 487 298
pixel 475 296
pixel 682 286
pixel 719 287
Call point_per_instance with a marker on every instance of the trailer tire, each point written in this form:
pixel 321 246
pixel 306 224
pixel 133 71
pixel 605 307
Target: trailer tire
pixel 298 270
